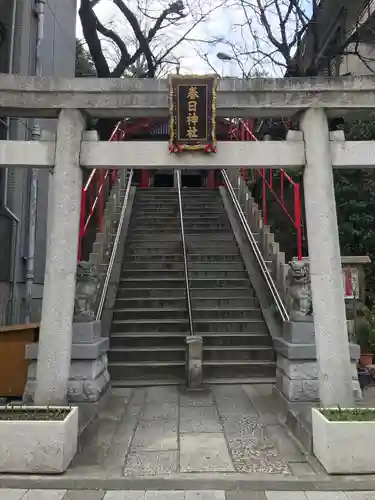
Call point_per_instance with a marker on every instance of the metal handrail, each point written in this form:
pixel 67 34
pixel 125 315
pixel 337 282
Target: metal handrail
pixel 186 269
pixel 263 266
pixel 114 248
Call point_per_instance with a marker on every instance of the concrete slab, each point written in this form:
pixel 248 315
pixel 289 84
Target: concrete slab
pixel 125 495
pixel 361 495
pixel 44 495
pixel 196 399
pixel 199 419
pixel 84 495
pixel 162 394
pixel 157 435
pixel 326 495
pixel 285 495
pixel 11 494
pixel 206 452
pixel 151 463
pixel 165 495
pixel 165 411
pixel 205 495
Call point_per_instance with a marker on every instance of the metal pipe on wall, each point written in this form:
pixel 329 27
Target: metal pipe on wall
pixel 8 211
pixel 30 260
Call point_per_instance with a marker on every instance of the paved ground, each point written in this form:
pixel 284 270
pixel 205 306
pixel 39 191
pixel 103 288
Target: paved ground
pixel 161 431
pixel 182 495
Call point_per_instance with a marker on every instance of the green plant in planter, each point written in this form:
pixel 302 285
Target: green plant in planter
pixel 348 415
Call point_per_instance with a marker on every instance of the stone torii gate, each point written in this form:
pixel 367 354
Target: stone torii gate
pixel 72 101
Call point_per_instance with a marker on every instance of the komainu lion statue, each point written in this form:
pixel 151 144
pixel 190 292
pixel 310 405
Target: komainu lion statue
pixel 298 290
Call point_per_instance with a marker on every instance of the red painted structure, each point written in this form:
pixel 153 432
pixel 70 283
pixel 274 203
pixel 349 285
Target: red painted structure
pixel 272 182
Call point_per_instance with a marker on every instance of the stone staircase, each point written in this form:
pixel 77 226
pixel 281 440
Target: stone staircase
pixel 150 320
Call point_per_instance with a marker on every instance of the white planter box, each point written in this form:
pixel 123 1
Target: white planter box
pixel 343 447
pixel 38 446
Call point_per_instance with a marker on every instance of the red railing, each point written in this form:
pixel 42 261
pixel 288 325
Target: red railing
pixel 272 182
pixel 92 198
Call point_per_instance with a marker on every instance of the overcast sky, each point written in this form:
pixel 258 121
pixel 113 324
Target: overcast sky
pixel 228 22
pixel 218 23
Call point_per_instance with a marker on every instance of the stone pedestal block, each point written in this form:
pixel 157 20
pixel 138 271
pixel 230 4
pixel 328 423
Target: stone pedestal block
pixel 297 369
pixel 88 377
pixel 194 361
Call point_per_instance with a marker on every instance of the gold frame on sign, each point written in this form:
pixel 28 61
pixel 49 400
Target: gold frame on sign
pixel 172 136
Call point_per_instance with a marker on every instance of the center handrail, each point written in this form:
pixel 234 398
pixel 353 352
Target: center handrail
pixel 103 295
pixel 258 255
pixel 186 269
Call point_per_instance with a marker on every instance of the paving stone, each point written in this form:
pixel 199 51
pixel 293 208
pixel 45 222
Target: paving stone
pixel 125 495
pixel 204 453
pixel 168 394
pixel 44 495
pixel 197 399
pixel 240 425
pixel 102 433
pixel 205 495
pixel 199 419
pixel 151 463
pixel 256 455
pixel 263 400
pixel 165 495
pixel 301 469
pixel 138 397
pixel 114 409
pixel 285 495
pixel 326 495
pixel 154 411
pixel 11 494
pixel 84 495
pixel 233 399
pixel 123 392
pixel 122 440
pixel 288 449
pixel 155 435
pixel 245 495
pixel 360 495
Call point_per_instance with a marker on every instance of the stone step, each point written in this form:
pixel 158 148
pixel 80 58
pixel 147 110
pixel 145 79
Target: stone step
pixel 150 325
pixel 220 339
pixel 152 219
pixel 170 313
pixel 238 369
pixel 196 293
pixel 209 231
pixel 148 339
pixel 198 206
pixel 180 301
pixel 210 339
pixel 219 293
pixel 170 302
pixel 179 266
pixel 148 282
pixel 172 212
pixel 153 314
pixel 181 325
pixel 232 325
pixel 156 248
pixel 227 302
pixel 238 353
pixel 161 353
pixel 175 226
pixel 174 370
pixel 213 237
pixel 175 273
pixel 178 258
